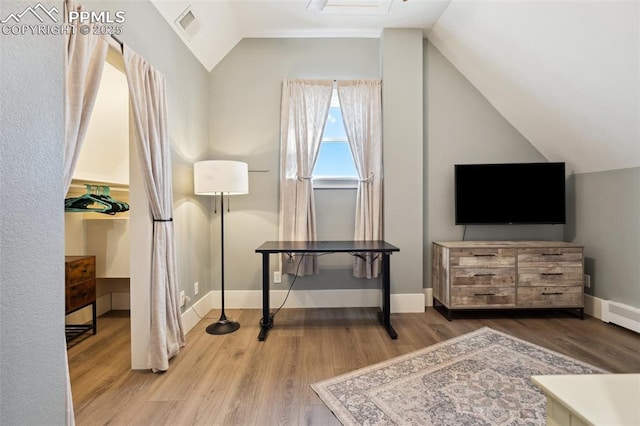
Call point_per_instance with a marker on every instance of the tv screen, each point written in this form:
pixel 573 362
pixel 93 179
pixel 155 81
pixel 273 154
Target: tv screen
pixel 510 193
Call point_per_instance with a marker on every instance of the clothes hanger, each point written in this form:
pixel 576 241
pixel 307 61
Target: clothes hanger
pixel 96 199
pixel 103 193
pixel 86 202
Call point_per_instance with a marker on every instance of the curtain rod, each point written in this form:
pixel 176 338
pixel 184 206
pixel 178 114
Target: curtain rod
pixel 118 41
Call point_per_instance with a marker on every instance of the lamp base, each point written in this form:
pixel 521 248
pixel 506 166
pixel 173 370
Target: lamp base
pixel 223 326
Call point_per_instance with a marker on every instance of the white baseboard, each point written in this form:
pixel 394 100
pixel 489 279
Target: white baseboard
pixel 593 306
pixel 252 299
pixel 405 303
pixel 303 298
pixel 428 297
pixel 613 312
pixel 193 314
pixel 103 305
pixel 620 314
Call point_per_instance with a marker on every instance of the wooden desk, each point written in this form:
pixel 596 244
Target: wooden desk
pixel 591 399
pixel 315 247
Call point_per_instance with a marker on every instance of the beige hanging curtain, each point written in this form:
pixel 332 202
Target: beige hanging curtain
pixel 149 115
pixel 305 106
pixel 361 105
pixel 85 56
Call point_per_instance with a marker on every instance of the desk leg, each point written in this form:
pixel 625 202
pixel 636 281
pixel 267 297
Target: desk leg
pixel 266 323
pixel 386 296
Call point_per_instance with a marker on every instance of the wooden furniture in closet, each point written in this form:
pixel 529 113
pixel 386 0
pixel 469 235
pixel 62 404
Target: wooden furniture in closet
pixel 80 291
pixel 471 275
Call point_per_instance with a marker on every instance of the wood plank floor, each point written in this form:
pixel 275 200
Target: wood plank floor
pixel 236 380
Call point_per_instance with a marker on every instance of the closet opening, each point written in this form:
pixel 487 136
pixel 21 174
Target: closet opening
pixel 107 160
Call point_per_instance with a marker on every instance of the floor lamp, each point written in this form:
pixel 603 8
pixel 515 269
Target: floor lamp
pixel 216 177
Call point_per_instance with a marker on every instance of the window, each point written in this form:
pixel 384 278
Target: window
pixel 335 167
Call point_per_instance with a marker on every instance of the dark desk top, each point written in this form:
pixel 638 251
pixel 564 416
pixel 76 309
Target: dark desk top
pixel 326 247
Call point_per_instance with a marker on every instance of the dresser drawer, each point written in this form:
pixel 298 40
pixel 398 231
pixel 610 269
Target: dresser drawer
pixel 78 269
pixel 549 257
pixel 550 276
pixel 81 295
pixel 487 277
pixel 549 297
pixel 483 257
pixel 483 297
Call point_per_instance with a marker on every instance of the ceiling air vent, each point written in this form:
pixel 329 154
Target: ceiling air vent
pixel 188 23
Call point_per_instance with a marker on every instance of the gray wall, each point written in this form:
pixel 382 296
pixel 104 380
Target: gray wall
pixel 463 127
pixel 602 208
pixel 402 127
pixel 607 212
pixel 458 125
pixel 32 340
pixel 245 125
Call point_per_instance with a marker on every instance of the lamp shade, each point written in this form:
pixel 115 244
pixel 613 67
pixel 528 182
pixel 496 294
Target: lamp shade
pixel 214 176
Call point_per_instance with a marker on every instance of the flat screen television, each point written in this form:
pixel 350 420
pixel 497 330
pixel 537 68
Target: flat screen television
pixel 510 193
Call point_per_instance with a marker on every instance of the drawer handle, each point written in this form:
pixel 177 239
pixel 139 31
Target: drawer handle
pixel 484 294
pixel 485 255
pixel 484 275
pixel 552 254
pixel 557 293
pixel 551 274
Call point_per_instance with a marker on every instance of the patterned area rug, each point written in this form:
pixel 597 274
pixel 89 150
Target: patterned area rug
pixel 480 378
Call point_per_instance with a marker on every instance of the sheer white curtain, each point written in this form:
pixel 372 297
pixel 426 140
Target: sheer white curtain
pixel 305 106
pixel 361 104
pixel 149 115
pixel 85 56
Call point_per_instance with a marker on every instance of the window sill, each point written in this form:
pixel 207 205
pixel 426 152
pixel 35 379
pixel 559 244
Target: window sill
pixel 335 183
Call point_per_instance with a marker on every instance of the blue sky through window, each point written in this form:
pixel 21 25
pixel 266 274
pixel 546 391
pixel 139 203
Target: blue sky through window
pixel 334 128
pixel 335 158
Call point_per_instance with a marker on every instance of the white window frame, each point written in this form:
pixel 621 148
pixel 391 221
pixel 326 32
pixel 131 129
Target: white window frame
pixel 336 182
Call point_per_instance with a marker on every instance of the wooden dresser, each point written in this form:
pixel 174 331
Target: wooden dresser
pixel 80 291
pixel 470 275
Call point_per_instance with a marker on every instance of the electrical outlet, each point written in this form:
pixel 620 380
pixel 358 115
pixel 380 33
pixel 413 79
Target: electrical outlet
pixel 182 297
pixel 277 277
pixel 587 281
pixel 196 288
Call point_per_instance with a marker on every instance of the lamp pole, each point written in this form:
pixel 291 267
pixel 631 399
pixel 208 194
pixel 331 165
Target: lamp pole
pixel 223 326
pixel 215 178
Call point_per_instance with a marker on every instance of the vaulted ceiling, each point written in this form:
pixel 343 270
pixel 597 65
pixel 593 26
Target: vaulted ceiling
pixel 565 73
